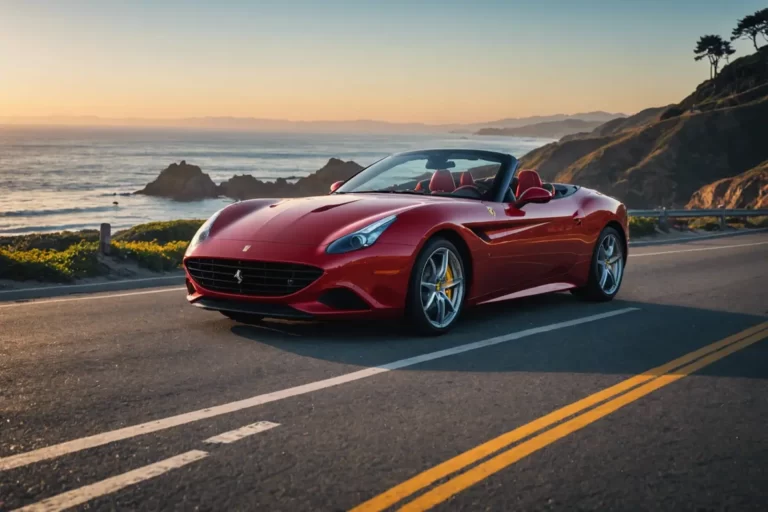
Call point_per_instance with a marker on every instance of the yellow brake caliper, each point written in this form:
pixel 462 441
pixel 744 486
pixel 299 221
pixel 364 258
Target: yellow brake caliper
pixel 449 279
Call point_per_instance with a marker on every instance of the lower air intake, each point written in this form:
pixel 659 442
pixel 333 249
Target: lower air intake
pixel 253 278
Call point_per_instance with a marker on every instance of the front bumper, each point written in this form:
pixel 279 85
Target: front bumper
pixel 378 276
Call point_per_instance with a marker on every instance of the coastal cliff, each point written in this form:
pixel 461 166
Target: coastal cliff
pixel 662 156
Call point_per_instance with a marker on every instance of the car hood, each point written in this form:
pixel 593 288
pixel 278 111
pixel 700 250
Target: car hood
pixel 314 220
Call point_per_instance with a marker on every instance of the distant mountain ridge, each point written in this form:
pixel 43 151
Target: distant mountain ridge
pixel 550 129
pixel 281 125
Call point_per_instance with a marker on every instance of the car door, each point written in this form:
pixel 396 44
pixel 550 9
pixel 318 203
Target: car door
pixel 533 244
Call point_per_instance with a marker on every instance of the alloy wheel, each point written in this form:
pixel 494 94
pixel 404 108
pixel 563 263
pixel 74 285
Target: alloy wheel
pixel 610 264
pixel 442 287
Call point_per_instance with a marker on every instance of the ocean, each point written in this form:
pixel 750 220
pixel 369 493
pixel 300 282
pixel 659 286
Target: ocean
pixel 67 178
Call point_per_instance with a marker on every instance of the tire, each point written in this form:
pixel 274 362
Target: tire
pixel 427 291
pixel 600 288
pixel 243 318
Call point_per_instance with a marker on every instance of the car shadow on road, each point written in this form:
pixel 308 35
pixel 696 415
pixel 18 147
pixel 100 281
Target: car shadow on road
pixel 628 343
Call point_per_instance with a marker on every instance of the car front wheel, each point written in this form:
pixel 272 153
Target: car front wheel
pixel 437 288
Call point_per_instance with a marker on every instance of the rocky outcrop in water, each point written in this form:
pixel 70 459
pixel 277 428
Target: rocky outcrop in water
pixel 182 182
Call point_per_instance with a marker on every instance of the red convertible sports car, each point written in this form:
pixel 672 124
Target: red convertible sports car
pixel 421 234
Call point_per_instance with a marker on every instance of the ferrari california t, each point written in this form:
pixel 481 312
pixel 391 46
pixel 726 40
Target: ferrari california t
pixel 422 234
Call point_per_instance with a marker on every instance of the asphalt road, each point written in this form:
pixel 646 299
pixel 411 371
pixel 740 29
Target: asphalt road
pixel 546 403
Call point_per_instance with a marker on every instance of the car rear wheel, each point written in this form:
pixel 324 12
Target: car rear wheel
pixel 243 318
pixel 437 288
pixel 607 268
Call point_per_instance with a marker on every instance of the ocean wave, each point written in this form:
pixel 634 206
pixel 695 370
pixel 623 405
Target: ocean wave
pixel 56 211
pixel 45 229
pixel 191 154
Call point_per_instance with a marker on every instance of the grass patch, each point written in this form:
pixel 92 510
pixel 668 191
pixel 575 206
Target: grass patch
pixel 705 224
pixel 60 241
pixel 77 261
pixel 151 255
pixel 757 222
pixel 642 226
pixel 82 260
pixel 69 255
pixel 160 232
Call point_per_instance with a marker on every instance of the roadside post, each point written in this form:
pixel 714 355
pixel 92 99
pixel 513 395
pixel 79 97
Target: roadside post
pixel 663 223
pixel 105 238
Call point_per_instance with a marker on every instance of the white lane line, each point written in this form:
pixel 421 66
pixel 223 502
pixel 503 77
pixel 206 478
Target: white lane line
pixel 240 433
pixel 76 445
pixel 32 302
pixel 89 492
pixel 633 255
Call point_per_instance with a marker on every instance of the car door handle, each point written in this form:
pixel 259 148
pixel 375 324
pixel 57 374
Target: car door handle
pixel 577 218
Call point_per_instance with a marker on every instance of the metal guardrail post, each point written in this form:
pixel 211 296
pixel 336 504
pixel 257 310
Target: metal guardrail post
pixel 105 238
pixel 723 223
pixel 663 221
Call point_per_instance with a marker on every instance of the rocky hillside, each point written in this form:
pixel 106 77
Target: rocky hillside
pixel 747 190
pixel 628 123
pixel 662 156
pixel 185 182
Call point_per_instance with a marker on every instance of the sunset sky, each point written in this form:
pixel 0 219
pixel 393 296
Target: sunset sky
pixel 427 61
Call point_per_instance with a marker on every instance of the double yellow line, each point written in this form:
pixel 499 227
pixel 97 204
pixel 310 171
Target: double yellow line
pixel 620 395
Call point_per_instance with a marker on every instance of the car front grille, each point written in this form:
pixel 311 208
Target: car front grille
pixel 257 278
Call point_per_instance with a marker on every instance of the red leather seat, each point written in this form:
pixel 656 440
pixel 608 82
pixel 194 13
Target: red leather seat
pixel 526 179
pixel 442 181
pixel 466 179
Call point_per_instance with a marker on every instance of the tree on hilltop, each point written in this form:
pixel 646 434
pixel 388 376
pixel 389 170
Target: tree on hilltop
pixel 714 48
pixel 750 26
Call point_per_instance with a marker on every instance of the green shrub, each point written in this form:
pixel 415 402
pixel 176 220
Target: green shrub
pixel 705 223
pixel 80 260
pixel 60 241
pixel 642 226
pixel 757 222
pixel 150 254
pixel 160 232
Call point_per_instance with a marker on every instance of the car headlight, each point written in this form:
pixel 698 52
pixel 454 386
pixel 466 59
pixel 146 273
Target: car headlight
pixel 204 232
pixel 361 238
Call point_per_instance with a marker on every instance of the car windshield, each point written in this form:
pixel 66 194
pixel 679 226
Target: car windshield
pixel 441 172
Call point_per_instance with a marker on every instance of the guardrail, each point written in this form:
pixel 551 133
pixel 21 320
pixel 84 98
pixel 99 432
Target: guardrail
pixel 721 213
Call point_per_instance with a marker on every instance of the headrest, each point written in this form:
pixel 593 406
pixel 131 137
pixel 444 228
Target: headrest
pixel 422 186
pixel 526 179
pixel 442 181
pixel 466 179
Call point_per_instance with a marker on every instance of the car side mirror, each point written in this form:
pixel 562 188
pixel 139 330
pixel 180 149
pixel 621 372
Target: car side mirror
pixel 533 195
pixel 336 185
